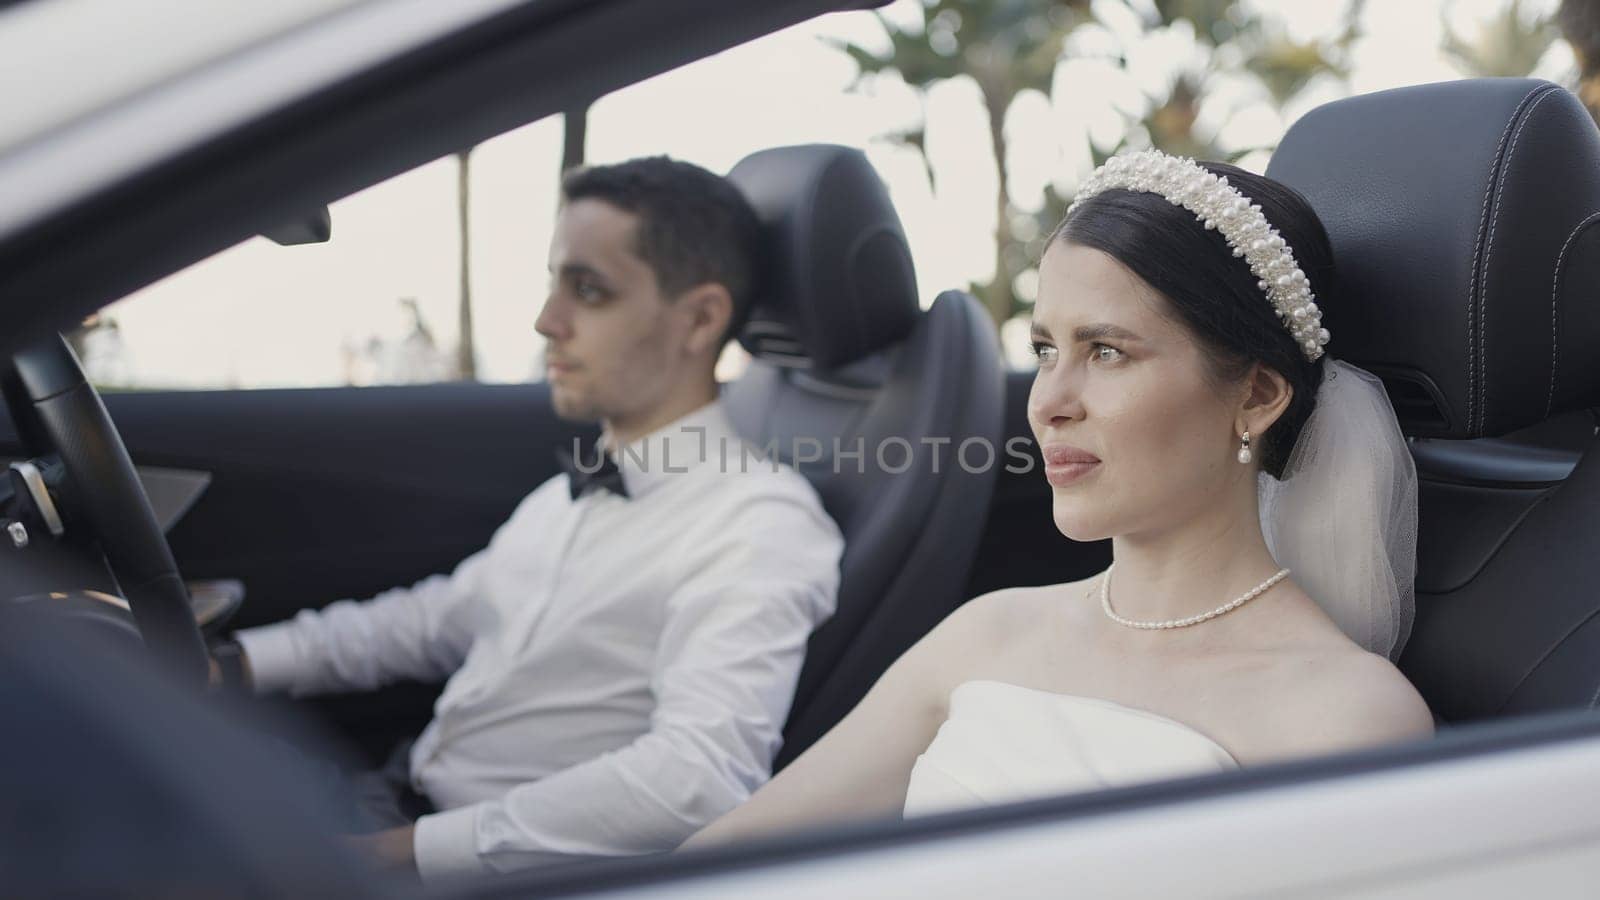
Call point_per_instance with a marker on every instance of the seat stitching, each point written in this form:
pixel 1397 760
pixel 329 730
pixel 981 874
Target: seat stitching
pixel 1543 657
pixel 1472 282
pixel 1488 251
pixel 1494 555
pixel 1555 286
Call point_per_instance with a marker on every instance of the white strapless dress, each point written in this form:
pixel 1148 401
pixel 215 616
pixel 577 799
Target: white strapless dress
pixel 1003 743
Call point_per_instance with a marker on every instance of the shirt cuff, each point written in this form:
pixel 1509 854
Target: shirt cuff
pixel 269 652
pixel 446 844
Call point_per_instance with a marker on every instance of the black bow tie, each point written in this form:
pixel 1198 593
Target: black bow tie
pixel 595 469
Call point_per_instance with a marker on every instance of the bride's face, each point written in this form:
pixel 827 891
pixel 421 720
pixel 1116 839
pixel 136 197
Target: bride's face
pixel 1135 435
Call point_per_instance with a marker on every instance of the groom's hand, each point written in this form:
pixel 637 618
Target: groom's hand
pixel 391 849
pixel 229 668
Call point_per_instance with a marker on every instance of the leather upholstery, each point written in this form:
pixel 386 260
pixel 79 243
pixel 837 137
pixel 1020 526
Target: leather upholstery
pixel 1464 224
pixel 839 283
pixel 871 400
pixel 1463 219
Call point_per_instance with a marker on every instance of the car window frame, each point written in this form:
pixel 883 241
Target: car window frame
pixel 469 82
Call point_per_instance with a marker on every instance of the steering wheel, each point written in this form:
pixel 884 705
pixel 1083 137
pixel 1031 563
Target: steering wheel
pixel 56 410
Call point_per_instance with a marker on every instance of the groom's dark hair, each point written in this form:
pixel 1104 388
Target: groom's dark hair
pixel 1213 292
pixel 694 225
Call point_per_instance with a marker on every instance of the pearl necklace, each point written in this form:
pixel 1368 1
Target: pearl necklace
pixel 1258 590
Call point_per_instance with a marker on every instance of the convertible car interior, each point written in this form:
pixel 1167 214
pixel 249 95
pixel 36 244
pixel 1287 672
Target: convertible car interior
pixel 1463 219
pixel 845 356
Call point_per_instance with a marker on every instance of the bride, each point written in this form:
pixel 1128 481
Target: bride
pixel 1261 507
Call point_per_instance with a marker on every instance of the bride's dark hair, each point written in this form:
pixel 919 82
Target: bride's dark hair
pixel 1213 292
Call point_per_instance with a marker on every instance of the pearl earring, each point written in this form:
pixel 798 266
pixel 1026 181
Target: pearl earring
pixel 1244 448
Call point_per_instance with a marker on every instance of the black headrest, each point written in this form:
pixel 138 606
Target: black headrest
pixel 1463 218
pixel 837 281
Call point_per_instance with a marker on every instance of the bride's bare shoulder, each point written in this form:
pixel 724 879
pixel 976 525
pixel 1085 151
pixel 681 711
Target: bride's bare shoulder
pixel 964 645
pixel 1350 698
pixel 993 618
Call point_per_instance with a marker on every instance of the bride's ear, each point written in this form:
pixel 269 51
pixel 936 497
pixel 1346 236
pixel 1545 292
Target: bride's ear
pixel 1267 395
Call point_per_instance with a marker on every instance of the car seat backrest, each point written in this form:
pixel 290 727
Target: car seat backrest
pixel 837 280
pixel 1465 222
pixel 871 398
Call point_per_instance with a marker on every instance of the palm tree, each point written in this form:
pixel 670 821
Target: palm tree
pixel 1281 65
pixel 1509 43
pixel 1006 47
pixel 1010 46
pixel 466 357
pixel 1580 25
pixel 575 134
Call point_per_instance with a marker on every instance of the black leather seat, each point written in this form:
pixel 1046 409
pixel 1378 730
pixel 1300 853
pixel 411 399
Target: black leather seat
pixel 871 398
pixel 1464 224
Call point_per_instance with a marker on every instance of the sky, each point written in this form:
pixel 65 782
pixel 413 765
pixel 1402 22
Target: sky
pixel 261 315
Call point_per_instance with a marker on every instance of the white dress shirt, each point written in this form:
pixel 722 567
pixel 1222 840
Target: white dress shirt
pixel 622 668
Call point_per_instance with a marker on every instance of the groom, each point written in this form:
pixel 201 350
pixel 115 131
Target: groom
pixel 622 656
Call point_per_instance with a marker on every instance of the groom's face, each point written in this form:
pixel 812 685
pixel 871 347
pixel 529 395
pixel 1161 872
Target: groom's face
pixel 1136 436
pixel 615 342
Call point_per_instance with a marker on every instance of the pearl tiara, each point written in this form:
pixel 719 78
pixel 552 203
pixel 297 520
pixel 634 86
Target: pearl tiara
pixel 1184 183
